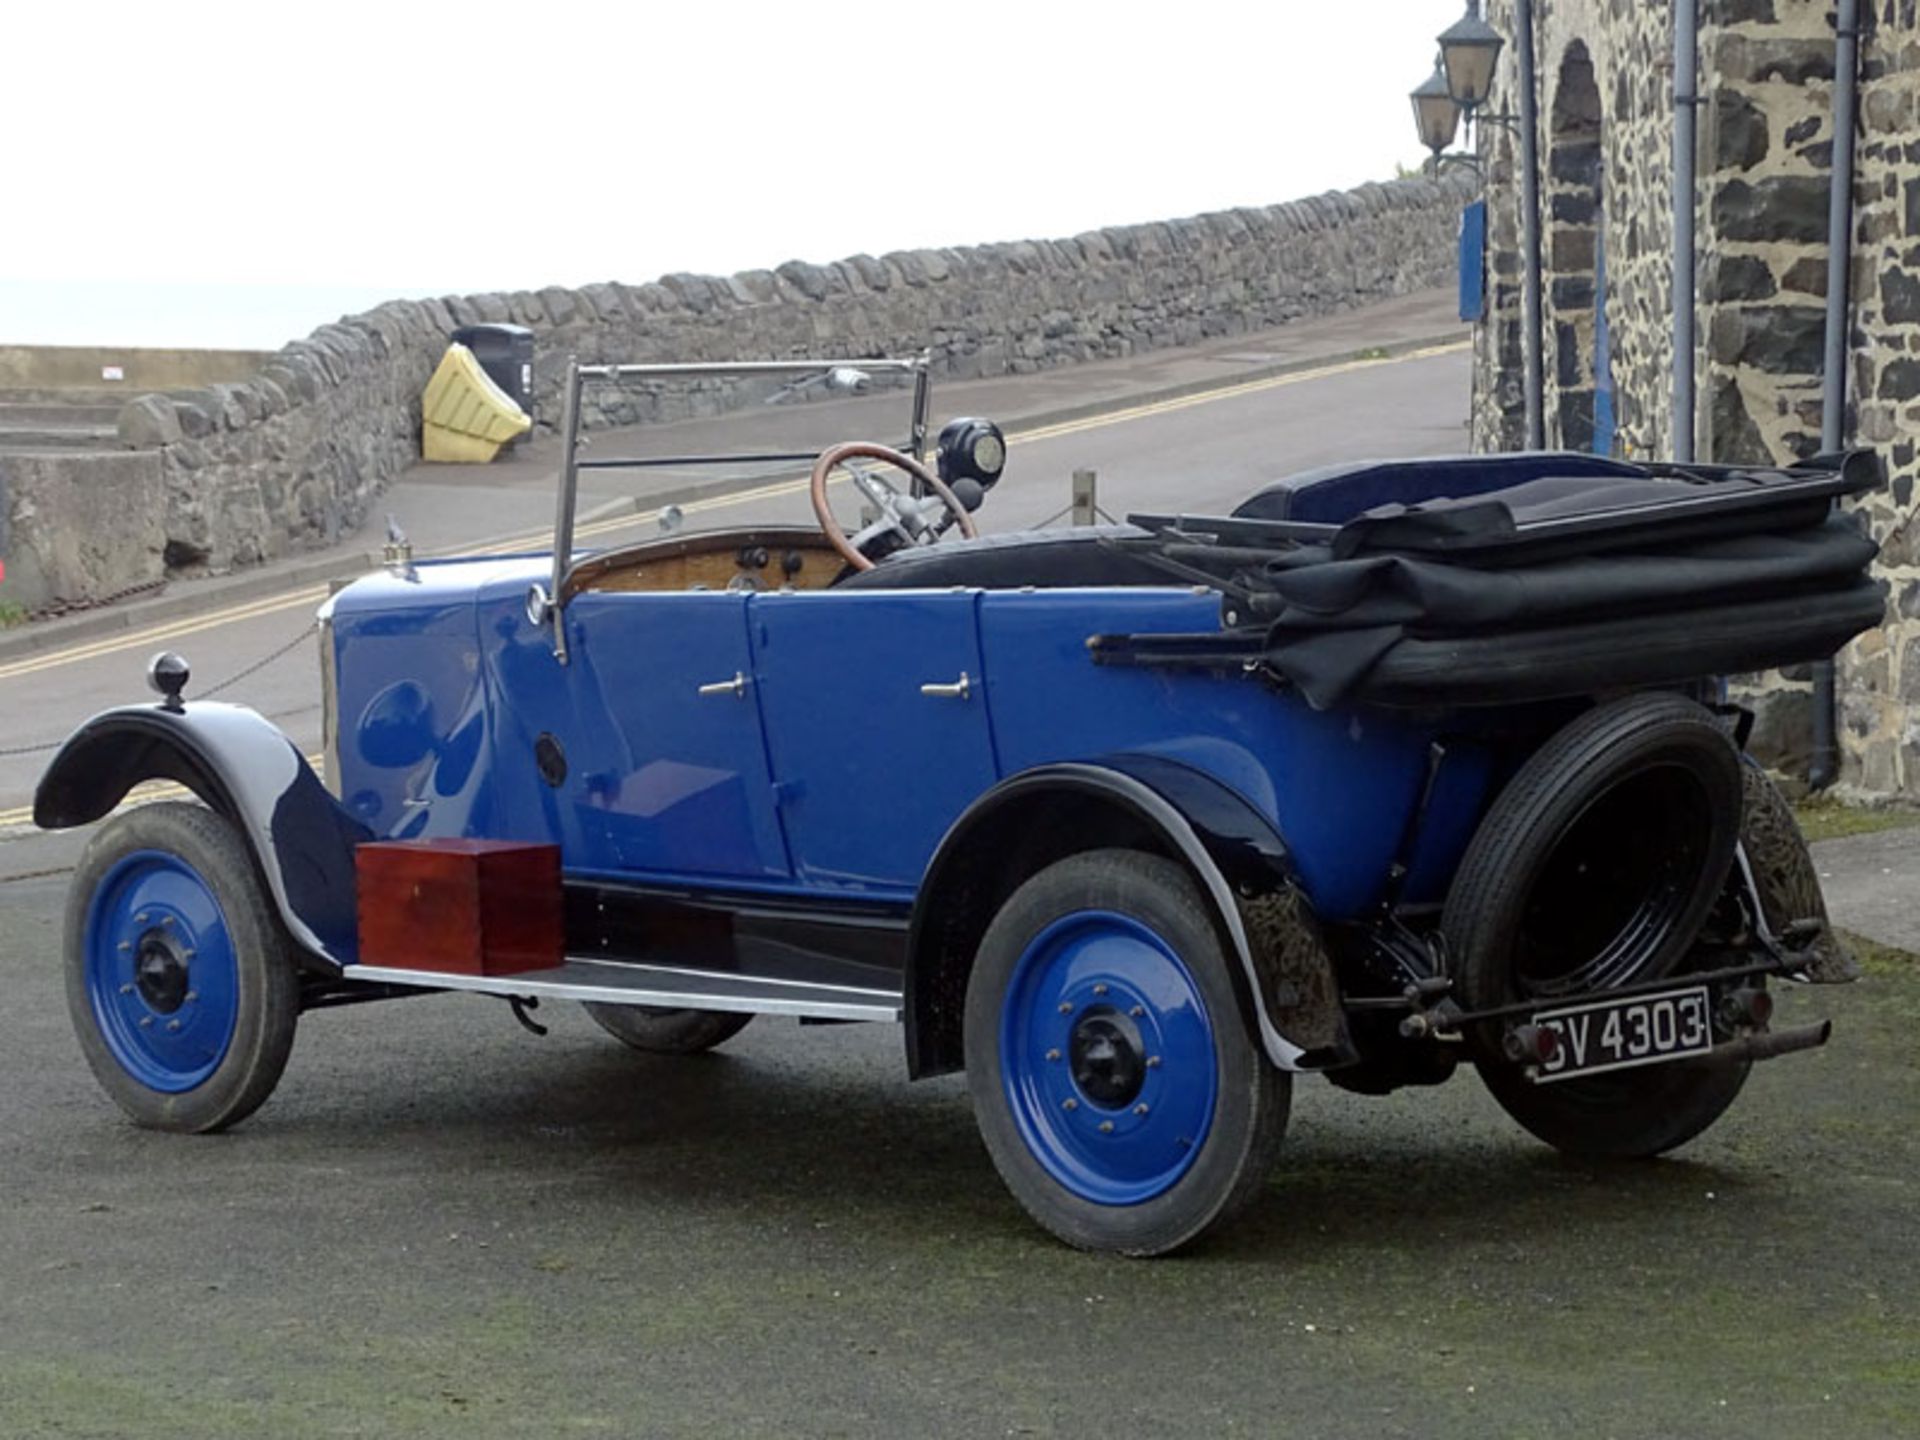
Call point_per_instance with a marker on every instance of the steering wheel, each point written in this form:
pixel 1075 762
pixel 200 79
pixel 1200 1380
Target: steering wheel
pixel 900 514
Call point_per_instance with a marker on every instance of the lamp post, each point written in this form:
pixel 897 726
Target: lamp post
pixel 1469 53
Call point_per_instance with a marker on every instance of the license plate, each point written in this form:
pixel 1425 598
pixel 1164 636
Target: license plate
pixel 1619 1034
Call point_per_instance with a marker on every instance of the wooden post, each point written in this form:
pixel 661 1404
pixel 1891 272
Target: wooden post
pixel 1085 511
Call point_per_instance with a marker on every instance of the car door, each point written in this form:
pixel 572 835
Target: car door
pixel 877 726
pixel 682 787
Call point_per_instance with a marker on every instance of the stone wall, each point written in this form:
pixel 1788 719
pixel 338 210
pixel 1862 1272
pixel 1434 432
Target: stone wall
pixel 1765 152
pixel 295 456
pixel 1879 674
pixel 74 518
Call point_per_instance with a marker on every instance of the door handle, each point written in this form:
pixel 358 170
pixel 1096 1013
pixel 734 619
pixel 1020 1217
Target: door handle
pixel 736 687
pixel 958 690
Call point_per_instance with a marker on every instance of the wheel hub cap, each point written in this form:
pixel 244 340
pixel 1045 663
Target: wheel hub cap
pixel 1109 1060
pixel 160 972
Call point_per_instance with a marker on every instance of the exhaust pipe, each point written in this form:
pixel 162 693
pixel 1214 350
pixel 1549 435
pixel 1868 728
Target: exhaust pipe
pixel 1771 1043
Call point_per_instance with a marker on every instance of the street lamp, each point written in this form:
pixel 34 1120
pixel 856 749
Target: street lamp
pixel 1435 112
pixel 1460 85
pixel 1469 50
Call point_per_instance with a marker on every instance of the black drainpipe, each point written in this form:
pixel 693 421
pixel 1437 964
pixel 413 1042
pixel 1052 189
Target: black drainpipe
pixel 1686 95
pixel 1825 768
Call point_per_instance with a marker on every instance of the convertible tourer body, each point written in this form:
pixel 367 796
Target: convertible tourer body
pixel 1397 766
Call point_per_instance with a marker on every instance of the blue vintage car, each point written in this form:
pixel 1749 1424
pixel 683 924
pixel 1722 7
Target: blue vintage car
pixel 1396 766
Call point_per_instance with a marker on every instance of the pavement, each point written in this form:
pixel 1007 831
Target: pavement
pixel 1872 885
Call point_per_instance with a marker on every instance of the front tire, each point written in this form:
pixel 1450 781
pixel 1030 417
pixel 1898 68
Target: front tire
pixel 181 981
pixel 1113 1076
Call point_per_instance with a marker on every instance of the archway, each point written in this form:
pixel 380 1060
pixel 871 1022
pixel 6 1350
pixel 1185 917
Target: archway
pixel 1576 259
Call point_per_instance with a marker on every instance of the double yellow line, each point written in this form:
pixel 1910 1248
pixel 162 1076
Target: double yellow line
pixel 144 793
pixel 778 489
pixel 312 596
pixel 158 634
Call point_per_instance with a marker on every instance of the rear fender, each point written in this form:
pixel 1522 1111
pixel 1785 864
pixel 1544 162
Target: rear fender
pixel 242 766
pixel 1285 975
pixel 1776 871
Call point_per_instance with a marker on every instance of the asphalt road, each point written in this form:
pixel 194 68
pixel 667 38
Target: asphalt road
pixel 442 1225
pixel 1201 454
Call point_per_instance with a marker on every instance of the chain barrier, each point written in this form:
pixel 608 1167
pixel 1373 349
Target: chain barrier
pixel 61 608
pixel 42 747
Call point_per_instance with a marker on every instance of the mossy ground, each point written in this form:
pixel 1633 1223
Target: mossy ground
pixel 444 1227
pixel 1825 818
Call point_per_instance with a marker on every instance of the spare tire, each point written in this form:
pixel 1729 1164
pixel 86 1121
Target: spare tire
pixel 1595 868
pixel 1599 860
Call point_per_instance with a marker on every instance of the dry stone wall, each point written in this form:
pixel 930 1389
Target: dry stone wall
pixel 297 455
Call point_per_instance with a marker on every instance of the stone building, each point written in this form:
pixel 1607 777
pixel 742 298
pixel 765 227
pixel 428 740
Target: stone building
pixel 1766 86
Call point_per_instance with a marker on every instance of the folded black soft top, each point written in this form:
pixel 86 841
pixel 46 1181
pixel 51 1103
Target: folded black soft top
pixel 1555 584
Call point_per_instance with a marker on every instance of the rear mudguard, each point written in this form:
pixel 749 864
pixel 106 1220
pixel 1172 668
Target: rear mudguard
pixel 242 766
pixel 1778 872
pixel 1288 984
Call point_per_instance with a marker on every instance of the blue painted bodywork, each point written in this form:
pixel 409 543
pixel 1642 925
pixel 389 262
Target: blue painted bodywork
pixel 826 771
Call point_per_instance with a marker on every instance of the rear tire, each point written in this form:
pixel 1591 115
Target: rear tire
pixel 1114 1077
pixel 667 1032
pixel 1595 868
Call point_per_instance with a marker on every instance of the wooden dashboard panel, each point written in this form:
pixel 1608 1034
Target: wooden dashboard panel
pixel 796 558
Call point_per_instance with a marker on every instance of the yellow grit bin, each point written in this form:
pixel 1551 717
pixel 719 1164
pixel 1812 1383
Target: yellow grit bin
pixel 465 417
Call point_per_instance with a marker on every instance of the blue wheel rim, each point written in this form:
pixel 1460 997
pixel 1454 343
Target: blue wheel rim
pixel 1126 1133
pixel 161 973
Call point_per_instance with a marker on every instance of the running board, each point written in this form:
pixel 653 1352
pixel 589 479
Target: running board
pixel 613 982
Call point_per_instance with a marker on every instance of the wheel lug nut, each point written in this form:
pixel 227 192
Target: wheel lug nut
pixel 1153 1062
pixel 141 918
pixel 192 995
pixel 1065 1008
pixel 125 946
pixel 145 1021
pixel 173 1024
pixel 1106 1127
pixel 1137 1011
pixel 1140 1109
pixel 1100 989
pixel 166 922
pixel 1069 1104
pixel 126 989
pixel 1051 1054
pixel 186 954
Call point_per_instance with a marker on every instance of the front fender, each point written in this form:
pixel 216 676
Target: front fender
pixel 241 765
pixel 1290 989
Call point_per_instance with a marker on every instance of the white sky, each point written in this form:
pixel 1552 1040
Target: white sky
pixel 201 173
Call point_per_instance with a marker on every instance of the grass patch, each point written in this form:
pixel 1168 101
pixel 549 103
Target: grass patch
pixel 12 614
pixel 1878 959
pixel 1825 818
